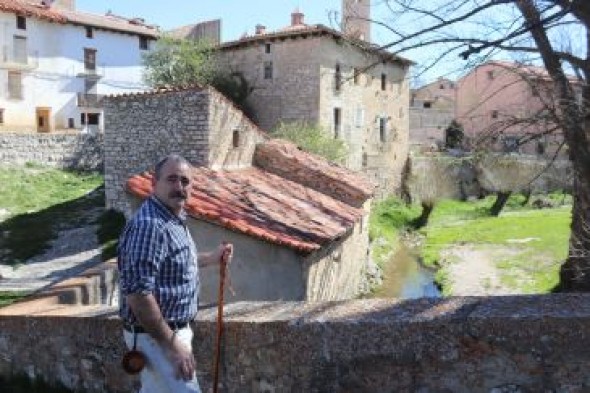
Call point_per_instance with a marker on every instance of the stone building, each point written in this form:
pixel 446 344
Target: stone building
pixel 432 108
pixel 318 75
pixel 299 223
pixel 504 105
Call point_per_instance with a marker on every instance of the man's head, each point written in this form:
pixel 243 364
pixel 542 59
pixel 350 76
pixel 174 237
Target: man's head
pixel 172 181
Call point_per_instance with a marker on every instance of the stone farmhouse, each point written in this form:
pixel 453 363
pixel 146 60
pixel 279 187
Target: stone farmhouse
pixel 298 223
pixel 57 63
pixel 432 108
pixel 318 75
pixel 503 104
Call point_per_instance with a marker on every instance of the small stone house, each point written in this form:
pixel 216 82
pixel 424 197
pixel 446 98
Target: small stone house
pixel 318 75
pixel 299 224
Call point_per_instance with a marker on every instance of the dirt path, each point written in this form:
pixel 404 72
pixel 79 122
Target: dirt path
pixel 74 251
pixel 472 270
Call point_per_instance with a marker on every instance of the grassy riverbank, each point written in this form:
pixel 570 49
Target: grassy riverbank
pixel 531 243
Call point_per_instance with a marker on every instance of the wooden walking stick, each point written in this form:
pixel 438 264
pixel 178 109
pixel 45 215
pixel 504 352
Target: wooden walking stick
pixel 222 271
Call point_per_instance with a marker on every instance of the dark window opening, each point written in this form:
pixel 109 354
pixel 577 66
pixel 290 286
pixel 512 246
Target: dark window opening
pixel 365 160
pixel 267 48
pixel 144 43
pixel 427 105
pixel 490 75
pixel 89 32
pixel 383 82
pixel 21 22
pixel 236 138
pixel 93 119
pixel 494 114
pixel 382 128
pixel 442 87
pixel 41 121
pixel 83 118
pixel 337 78
pixel 268 70
pixel 337 120
pixel 89 59
pixel 71 122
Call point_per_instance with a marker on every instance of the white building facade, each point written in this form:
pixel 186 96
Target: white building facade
pixel 56 64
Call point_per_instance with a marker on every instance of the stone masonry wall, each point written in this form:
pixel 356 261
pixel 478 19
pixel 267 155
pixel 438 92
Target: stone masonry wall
pixel 71 151
pixel 198 124
pixel 459 345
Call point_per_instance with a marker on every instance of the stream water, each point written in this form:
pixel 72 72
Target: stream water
pixel 404 277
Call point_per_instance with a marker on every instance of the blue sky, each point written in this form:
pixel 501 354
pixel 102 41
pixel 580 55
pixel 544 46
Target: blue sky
pixel 238 16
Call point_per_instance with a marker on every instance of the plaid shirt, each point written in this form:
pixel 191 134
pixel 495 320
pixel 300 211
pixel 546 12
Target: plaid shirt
pixel 157 256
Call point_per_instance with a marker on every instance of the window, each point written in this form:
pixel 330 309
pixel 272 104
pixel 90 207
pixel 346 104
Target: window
pixel 494 114
pixel 337 122
pixel 20 49
pixel 89 32
pixel 236 138
pixel 21 22
pixel 268 70
pixel 71 122
pixel 441 86
pixel 382 129
pixel 89 59
pixel 365 160
pixel 337 78
pixel 92 119
pixel 144 43
pixel 427 105
pixel 267 48
pixel 15 85
pixel 356 76
pixel 490 75
pixel 383 82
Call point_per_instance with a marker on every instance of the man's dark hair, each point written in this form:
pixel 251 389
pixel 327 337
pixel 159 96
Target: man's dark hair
pixel 172 157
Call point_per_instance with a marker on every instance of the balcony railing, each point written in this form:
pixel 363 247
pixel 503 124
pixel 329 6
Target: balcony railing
pixel 86 100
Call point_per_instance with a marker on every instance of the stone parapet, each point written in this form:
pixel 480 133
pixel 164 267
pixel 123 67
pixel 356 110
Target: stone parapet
pixel 470 345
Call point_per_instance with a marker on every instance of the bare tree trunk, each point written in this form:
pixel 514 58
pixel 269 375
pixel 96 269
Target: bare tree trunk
pixel 422 221
pixel 499 203
pixel 575 272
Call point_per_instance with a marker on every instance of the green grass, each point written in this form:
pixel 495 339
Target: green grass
pixel 9 297
pixel 388 218
pixel 534 267
pixel 40 202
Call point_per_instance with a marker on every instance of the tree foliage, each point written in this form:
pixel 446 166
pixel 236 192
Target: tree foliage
pixel 312 139
pixel 180 62
pixel 454 135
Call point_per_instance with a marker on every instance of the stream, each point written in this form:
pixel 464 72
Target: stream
pixel 404 277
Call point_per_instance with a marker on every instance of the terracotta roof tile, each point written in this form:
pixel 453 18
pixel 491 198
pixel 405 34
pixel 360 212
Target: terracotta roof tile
pixel 108 22
pixel 287 160
pixel 263 205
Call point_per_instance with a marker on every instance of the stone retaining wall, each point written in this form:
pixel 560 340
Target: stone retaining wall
pixel 71 151
pixel 470 345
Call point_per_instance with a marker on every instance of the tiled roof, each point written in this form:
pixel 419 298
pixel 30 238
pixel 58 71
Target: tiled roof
pixel 262 205
pixel 31 10
pixel 304 31
pixel 287 160
pixel 108 22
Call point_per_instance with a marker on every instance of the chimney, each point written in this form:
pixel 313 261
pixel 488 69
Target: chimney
pixel 260 29
pixel 297 18
pixel 69 5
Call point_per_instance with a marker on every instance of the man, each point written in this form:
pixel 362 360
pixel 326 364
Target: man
pixel 159 281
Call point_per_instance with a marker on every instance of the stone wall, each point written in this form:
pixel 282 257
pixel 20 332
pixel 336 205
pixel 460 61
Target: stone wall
pixel 198 124
pixel 71 151
pixel 460 345
pixel 441 176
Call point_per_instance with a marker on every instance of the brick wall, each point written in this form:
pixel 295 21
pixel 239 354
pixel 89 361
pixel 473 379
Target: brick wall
pixel 459 345
pixel 73 151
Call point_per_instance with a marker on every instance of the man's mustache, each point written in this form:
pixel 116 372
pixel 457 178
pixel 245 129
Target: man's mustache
pixel 178 194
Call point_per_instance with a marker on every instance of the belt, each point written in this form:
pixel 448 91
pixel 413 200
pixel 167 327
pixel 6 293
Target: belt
pixel 139 329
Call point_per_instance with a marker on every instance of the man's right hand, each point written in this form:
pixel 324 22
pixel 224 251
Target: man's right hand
pixel 182 358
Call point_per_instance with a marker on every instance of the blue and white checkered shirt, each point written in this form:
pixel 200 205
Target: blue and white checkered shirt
pixel 157 255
